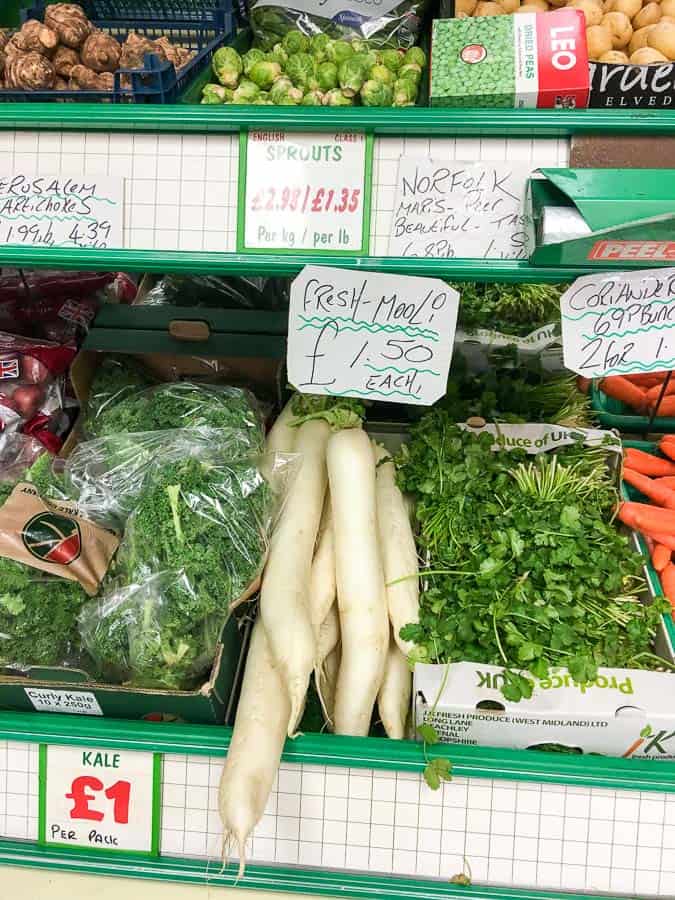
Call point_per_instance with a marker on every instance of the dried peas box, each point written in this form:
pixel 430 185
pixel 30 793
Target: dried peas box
pixel 529 60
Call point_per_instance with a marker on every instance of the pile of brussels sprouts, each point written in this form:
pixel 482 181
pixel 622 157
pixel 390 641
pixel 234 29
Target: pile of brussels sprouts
pixel 317 71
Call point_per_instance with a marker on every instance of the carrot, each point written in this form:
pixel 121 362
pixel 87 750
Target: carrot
pixel 647 379
pixel 667 481
pixel 661 556
pixel 646 463
pixel 661 495
pixel 666 407
pixel 668 540
pixel 668 583
pixel 628 515
pixel 654 520
pixel 654 393
pixel 620 388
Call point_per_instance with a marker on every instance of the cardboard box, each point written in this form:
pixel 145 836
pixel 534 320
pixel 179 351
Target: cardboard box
pixel 624 712
pixel 530 60
pixel 74 690
pixel 604 218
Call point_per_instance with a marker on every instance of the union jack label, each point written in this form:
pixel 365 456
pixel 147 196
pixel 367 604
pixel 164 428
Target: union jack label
pixel 9 368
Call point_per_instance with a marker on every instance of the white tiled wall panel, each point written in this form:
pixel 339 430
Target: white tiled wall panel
pixel 518 834
pixel 181 190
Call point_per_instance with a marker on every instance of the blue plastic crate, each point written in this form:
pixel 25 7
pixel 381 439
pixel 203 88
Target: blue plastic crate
pixel 196 28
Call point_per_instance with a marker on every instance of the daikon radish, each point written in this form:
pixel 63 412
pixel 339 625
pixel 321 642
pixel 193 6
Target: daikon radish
pixel 328 637
pixel 399 554
pixel 284 596
pixel 326 684
pixel 393 701
pixel 255 748
pixel 322 586
pixel 362 607
pixel 281 436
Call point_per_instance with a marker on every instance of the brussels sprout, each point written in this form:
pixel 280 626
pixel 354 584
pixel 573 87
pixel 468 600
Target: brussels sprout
pixel 250 58
pixel 375 93
pixel 360 46
pixel 338 51
pixel 247 92
pixel 227 66
pixel 392 59
pixel 312 98
pixel 415 55
pixel 367 60
pixel 327 76
pixel 301 69
pixel 405 92
pixel 295 42
pixel 351 75
pixel 216 93
pixel 410 70
pixel 278 54
pixel 284 94
pixel 317 46
pixel 292 98
pixel 265 73
pixel 337 98
pixel 383 74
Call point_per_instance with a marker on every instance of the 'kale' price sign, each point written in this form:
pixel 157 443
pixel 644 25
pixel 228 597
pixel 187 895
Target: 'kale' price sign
pixel 621 323
pixel 100 799
pixel 306 193
pixel 83 213
pixel 364 334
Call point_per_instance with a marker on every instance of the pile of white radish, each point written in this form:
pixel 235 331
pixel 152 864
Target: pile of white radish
pixel 341 580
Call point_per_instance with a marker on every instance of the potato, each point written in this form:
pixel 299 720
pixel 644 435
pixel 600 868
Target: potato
pixel 662 38
pixel 629 7
pixel 639 39
pixel 668 8
pixel 489 8
pixel 670 19
pixel 618 25
pixel 599 40
pixel 648 15
pixel 528 8
pixel 614 56
pixel 510 6
pixel 542 5
pixel 465 7
pixel 556 3
pixel 647 56
pixel 591 10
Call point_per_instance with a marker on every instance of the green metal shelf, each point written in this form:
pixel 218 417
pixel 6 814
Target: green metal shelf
pixel 365 753
pixel 413 121
pixel 283 264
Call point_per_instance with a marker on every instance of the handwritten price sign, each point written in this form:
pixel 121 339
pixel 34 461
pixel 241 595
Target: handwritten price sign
pixel 304 192
pixel 619 324
pixel 100 799
pixel 446 210
pixel 387 337
pixel 61 211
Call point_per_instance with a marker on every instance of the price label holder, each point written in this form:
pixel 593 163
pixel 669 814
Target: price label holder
pixel 621 323
pixel 97 798
pixel 304 193
pixel 365 334
pixel 64 211
pixel 461 209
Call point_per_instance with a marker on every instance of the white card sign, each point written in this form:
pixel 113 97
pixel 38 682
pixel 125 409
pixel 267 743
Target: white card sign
pixel 66 211
pixel 364 334
pixel 83 703
pixel 621 323
pixel 460 209
pixel 304 192
pixel 100 799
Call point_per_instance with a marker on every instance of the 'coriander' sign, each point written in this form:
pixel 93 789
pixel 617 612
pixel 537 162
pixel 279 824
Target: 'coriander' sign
pixel 461 209
pixel 304 192
pixel 83 212
pixel 363 334
pixel 100 799
pixel 619 324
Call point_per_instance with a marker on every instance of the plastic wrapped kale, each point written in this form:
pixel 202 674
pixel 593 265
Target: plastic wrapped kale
pixel 193 545
pixel 116 378
pixel 181 404
pixel 394 23
pixel 51 558
pixel 220 293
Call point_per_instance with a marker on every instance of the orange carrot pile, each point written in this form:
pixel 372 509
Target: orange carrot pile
pixel 654 477
pixel 642 392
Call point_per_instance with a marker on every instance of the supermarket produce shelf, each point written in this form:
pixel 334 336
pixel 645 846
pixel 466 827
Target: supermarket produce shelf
pixel 289 264
pixel 413 121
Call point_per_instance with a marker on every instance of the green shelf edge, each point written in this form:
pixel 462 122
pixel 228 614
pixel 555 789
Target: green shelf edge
pixel 420 121
pixel 265 878
pixel 210 263
pixel 347 752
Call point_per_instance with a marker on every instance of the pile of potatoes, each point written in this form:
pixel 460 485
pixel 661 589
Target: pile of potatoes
pixel 617 31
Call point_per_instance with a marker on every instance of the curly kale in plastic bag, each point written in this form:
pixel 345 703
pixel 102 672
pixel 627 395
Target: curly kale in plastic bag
pixel 221 293
pixel 116 378
pixel 194 543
